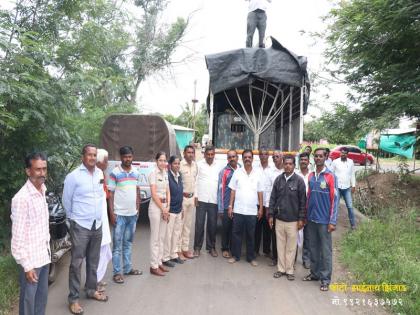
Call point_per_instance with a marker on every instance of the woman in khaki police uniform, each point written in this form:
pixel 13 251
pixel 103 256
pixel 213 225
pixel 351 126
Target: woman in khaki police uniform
pixel 158 213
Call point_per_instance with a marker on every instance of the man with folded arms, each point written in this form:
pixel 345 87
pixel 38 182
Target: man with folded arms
pixel 287 207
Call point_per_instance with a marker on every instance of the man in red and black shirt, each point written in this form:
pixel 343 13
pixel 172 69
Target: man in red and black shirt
pixel 223 197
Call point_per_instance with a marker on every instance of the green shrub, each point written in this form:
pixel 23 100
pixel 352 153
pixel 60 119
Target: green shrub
pixel 9 286
pixel 386 250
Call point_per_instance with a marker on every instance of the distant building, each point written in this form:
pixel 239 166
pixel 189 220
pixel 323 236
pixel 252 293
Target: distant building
pixel 184 136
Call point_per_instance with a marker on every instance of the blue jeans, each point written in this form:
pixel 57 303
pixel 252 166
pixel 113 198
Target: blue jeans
pixel 346 194
pixel 320 245
pixel 33 296
pixel 122 240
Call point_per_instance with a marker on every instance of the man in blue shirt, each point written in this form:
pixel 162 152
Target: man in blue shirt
pixel 321 219
pixel 83 197
pixel 223 197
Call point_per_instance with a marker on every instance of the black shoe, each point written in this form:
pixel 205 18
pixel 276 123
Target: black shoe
pixel 168 263
pixel 177 260
pixel 306 265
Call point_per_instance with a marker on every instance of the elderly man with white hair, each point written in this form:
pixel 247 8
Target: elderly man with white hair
pixel 105 254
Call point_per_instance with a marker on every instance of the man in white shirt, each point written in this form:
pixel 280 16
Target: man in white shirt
pixel 328 161
pixel 343 168
pixel 304 173
pixel 246 193
pixel 206 202
pixel 262 227
pixel 257 18
pixel 276 171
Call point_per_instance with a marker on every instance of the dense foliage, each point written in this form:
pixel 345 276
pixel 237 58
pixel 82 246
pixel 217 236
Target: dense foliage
pixel 64 66
pixel 376 45
pixel 340 126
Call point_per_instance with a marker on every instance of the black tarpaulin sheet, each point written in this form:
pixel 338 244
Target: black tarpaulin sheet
pixel 241 67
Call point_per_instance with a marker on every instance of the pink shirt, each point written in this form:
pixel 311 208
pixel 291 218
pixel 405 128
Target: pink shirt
pixel 30 227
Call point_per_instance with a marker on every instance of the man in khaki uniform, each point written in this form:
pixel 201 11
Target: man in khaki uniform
pixel 188 172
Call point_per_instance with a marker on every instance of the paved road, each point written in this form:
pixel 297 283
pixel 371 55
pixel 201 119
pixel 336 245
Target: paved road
pixel 205 285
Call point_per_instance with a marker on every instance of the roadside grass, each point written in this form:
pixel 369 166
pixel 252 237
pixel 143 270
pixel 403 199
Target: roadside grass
pixel 9 286
pixel 386 249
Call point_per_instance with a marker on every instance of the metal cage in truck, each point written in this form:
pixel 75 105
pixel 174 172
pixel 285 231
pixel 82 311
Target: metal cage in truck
pixel 257 98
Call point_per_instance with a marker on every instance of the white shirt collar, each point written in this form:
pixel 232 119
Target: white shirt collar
pixel 288 177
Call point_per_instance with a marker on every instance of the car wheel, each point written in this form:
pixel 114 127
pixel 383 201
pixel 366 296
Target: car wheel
pixel 144 209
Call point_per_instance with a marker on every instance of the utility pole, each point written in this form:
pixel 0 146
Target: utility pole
pixel 194 102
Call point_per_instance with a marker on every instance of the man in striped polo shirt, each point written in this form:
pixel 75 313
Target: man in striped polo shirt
pixel 124 202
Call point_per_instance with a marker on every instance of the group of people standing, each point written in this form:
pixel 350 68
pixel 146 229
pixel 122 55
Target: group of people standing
pixel 275 202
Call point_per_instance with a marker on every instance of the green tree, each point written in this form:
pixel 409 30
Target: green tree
pixel 186 119
pixel 340 126
pixel 376 45
pixel 313 131
pixel 64 66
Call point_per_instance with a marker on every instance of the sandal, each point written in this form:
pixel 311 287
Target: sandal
pixel 290 277
pixel 98 296
pixel 134 272
pixel 278 274
pixel 76 309
pixel 100 288
pixel 310 277
pixel 118 278
pixel 226 254
pixel 324 287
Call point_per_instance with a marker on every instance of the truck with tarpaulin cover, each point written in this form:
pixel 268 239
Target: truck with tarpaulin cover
pixel 147 135
pixel 257 98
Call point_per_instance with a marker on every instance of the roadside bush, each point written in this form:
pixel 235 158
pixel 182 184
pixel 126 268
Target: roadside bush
pixel 385 250
pixel 9 286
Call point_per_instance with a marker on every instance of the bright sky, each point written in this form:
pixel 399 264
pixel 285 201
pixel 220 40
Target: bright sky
pixel 220 25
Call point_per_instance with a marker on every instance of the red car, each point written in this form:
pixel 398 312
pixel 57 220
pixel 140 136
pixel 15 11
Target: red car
pixel 355 153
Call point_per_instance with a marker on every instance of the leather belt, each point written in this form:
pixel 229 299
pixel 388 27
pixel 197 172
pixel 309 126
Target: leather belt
pixel 188 195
